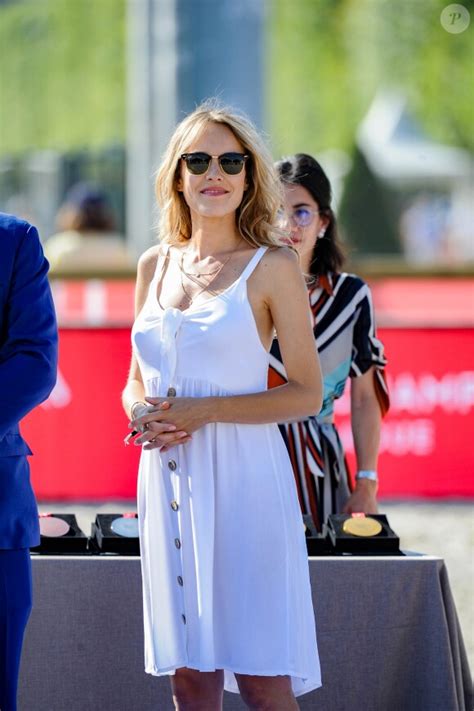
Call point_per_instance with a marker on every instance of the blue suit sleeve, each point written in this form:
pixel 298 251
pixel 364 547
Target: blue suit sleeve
pixel 29 349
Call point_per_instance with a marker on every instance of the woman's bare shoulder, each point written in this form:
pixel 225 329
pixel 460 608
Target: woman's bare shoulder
pixel 280 274
pixel 279 262
pixel 281 254
pixel 147 262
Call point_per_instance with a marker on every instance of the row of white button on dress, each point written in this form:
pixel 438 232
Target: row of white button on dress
pixel 174 504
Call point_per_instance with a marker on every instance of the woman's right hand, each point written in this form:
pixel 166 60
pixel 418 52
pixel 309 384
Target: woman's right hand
pixel 158 434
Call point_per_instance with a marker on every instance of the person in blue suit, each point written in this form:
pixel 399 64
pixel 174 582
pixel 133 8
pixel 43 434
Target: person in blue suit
pixel 28 363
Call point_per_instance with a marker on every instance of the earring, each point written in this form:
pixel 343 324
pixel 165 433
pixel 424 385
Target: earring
pixel 321 233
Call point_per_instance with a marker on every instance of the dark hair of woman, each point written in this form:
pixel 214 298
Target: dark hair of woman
pixel 302 169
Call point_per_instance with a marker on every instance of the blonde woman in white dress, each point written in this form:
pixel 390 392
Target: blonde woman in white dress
pixel 226 591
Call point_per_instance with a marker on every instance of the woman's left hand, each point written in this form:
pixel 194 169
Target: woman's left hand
pixel 188 414
pixel 363 499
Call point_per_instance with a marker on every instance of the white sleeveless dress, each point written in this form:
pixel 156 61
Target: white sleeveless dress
pixel 223 554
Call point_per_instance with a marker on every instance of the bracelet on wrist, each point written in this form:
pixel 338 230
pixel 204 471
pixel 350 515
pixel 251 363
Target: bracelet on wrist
pixel 138 402
pixel 369 474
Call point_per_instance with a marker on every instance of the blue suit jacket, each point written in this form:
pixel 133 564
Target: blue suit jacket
pixel 28 362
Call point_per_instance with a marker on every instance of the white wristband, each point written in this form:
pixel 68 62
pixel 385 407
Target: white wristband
pixel 367 474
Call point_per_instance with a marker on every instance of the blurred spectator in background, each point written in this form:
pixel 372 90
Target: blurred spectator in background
pixel 424 230
pixel 87 240
pixel 344 328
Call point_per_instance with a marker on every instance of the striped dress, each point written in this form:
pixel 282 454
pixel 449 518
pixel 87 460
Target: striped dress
pixel 345 334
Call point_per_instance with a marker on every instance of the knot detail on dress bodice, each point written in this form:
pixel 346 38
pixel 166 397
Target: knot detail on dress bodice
pixel 170 321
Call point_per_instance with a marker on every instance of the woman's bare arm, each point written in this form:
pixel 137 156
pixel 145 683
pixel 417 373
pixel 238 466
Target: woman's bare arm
pixel 366 421
pixel 134 390
pixel 301 396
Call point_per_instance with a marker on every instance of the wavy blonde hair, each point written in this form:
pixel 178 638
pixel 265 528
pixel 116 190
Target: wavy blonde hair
pixel 256 215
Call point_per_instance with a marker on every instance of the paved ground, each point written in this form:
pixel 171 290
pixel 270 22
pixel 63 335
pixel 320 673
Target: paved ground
pixel 443 529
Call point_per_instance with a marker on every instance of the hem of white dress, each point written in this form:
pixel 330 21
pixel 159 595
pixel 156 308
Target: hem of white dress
pixel 169 671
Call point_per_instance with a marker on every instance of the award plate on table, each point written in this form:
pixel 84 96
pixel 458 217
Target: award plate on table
pixel 361 534
pixel 115 533
pixel 60 534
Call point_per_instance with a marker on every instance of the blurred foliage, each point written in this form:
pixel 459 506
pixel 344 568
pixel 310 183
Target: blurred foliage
pixel 62 74
pixel 62 71
pixel 327 59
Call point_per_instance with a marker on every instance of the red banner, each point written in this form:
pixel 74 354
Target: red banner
pixel 425 446
pixel 77 435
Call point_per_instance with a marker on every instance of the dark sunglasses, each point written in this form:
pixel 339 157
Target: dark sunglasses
pixel 230 163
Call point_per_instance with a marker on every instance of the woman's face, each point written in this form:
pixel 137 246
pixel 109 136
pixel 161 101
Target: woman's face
pixel 215 193
pixel 300 206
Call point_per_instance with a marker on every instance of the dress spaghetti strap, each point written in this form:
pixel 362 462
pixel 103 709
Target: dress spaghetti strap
pixel 160 262
pixel 253 263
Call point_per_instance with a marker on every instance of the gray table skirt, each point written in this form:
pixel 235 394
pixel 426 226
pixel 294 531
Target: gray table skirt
pixel 388 634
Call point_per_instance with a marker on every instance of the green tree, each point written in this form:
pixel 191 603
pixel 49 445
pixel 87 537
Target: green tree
pixel 62 74
pixel 328 58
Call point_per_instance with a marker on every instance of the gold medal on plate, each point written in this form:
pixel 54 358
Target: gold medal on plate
pixel 363 526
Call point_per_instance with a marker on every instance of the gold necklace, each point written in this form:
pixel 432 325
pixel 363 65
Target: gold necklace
pixel 200 274
pixel 194 277
pixel 204 288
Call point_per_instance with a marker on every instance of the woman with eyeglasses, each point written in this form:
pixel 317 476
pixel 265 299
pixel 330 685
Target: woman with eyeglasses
pixel 227 597
pixel 344 329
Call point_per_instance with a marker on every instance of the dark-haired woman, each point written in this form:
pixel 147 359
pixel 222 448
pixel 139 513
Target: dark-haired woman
pixel 344 329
